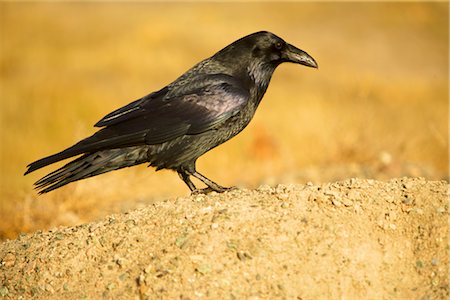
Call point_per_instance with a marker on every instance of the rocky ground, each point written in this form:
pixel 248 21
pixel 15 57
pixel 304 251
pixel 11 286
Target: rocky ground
pixel 351 239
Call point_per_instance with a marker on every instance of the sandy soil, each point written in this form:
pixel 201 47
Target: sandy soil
pixel 350 239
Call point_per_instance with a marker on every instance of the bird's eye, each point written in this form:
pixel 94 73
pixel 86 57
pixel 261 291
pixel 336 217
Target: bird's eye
pixel 278 45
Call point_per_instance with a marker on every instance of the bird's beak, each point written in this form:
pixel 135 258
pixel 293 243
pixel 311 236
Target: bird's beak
pixel 295 55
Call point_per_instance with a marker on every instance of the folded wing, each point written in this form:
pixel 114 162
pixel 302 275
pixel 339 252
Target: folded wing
pixel 162 116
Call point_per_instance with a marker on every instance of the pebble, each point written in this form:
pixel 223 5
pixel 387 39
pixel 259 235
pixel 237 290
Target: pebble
pixel 407 200
pixel 141 279
pixel 336 202
pixel 435 281
pixel 181 241
pixel 203 269
pixel 264 188
pixel 283 196
pixel 148 269
pixel 199 198
pixel 4 291
pixel 441 209
pixel 284 205
pixel 419 211
pixel 9 260
pixel 347 202
pixel 434 261
pixel 243 255
pixel 408 185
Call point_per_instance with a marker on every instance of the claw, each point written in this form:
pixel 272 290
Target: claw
pixel 209 190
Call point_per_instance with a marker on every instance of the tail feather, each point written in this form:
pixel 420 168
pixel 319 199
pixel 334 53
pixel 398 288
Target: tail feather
pixel 102 140
pixel 91 164
pixel 49 160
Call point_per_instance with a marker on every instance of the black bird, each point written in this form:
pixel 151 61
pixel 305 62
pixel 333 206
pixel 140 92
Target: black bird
pixel 169 129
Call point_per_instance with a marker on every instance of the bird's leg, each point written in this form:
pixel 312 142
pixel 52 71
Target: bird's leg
pixel 212 186
pixel 185 177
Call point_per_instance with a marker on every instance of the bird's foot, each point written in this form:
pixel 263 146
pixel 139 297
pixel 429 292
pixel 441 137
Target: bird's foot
pixel 219 189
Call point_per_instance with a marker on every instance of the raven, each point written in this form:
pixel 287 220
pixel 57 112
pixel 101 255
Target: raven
pixel 171 128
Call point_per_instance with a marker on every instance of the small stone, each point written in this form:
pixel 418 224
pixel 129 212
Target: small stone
pixel 181 241
pixel 347 202
pixel 93 227
pixel 123 276
pixel 49 288
pixel 130 222
pixel 336 202
pixel 147 269
pixel 214 226
pixel 141 279
pixel 334 194
pixel 119 260
pixel 392 226
pixel 232 244
pixel 380 223
pixel 408 185
pixel 284 205
pixel 264 188
pixel 199 198
pixel 198 294
pixel 441 210
pixel 203 269
pixel 407 201
pixel 283 196
pixel 435 281
pixel 206 210
pixel 434 261
pixel 419 264
pixel 9 260
pixel 3 291
pixel 243 255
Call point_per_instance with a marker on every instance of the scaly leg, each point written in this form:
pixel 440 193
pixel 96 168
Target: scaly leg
pixel 185 177
pixel 212 186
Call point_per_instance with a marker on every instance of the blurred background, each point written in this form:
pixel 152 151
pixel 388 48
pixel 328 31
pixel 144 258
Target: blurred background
pixel 376 107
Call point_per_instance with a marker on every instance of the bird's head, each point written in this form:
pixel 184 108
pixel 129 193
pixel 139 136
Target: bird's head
pixel 267 48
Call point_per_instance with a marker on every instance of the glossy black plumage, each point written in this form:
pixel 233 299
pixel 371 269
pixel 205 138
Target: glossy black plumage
pixel 171 128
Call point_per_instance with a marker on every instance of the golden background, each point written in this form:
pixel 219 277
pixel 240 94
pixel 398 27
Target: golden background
pixel 376 107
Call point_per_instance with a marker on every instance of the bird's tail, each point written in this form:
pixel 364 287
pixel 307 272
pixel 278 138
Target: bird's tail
pixel 91 164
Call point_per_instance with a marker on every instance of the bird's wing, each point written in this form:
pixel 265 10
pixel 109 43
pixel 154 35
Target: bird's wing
pixel 130 111
pixel 193 107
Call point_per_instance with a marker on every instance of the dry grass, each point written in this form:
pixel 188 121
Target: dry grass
pixel 376 107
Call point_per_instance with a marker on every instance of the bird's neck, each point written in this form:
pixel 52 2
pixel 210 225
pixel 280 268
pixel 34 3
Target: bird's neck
pixel 260 75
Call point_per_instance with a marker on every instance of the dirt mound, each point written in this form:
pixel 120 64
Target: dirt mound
pixel 352 239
